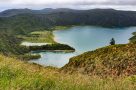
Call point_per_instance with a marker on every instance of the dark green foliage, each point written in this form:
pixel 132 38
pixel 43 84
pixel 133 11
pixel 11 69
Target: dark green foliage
pixel 52 47
pixel 9 44
pixel 112 42
pixel 23 24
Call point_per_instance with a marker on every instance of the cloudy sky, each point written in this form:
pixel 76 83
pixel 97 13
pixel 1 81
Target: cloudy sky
pixel 75 4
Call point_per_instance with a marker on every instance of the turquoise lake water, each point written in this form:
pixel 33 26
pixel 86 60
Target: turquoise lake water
pixel 83 39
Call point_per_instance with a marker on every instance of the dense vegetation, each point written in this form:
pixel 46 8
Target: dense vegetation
pixel 54 47
pixel 18 75
pixel 114 60
pixel 22 23
pixel 9 44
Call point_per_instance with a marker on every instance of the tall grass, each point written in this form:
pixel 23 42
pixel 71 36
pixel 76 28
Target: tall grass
pixel 18 75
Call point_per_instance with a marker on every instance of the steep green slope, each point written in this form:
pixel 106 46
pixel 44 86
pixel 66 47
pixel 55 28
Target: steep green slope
pixel 23 24
pixel 9 44
pixel 116 60
pixel 18 75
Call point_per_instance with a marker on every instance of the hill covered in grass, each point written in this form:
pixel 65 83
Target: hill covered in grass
pixel 115 60
pixel 38 37
pixel 18 75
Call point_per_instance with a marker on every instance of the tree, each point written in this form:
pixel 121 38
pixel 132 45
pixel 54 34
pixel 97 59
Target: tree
pixel 112 42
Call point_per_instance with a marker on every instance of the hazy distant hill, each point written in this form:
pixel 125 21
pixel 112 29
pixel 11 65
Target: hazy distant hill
pixel 12 12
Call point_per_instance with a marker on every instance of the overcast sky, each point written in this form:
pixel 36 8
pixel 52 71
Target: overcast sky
pixel 75 4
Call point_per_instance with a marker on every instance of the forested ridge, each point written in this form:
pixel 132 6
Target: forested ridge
pixel 28 21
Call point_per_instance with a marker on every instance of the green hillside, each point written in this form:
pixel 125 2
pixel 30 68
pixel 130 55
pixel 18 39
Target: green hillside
pixel 18 75
pixel 9 44
pixel 116 60
pixel 38 37
pixel 113 61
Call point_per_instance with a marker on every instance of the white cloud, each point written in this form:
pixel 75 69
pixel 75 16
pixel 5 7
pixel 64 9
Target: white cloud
pixel 48 2
pixel 78 4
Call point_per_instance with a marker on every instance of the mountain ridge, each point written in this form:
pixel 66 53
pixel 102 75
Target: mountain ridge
pixel 12 12
pixel 65 17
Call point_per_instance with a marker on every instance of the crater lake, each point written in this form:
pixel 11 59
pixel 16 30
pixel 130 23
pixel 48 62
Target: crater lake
pixel 83 39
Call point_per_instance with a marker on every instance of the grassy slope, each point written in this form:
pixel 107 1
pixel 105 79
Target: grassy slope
pixel 117 60
pixel 17 75
pixel 39 37
pixel 43 36
pixel 9 39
